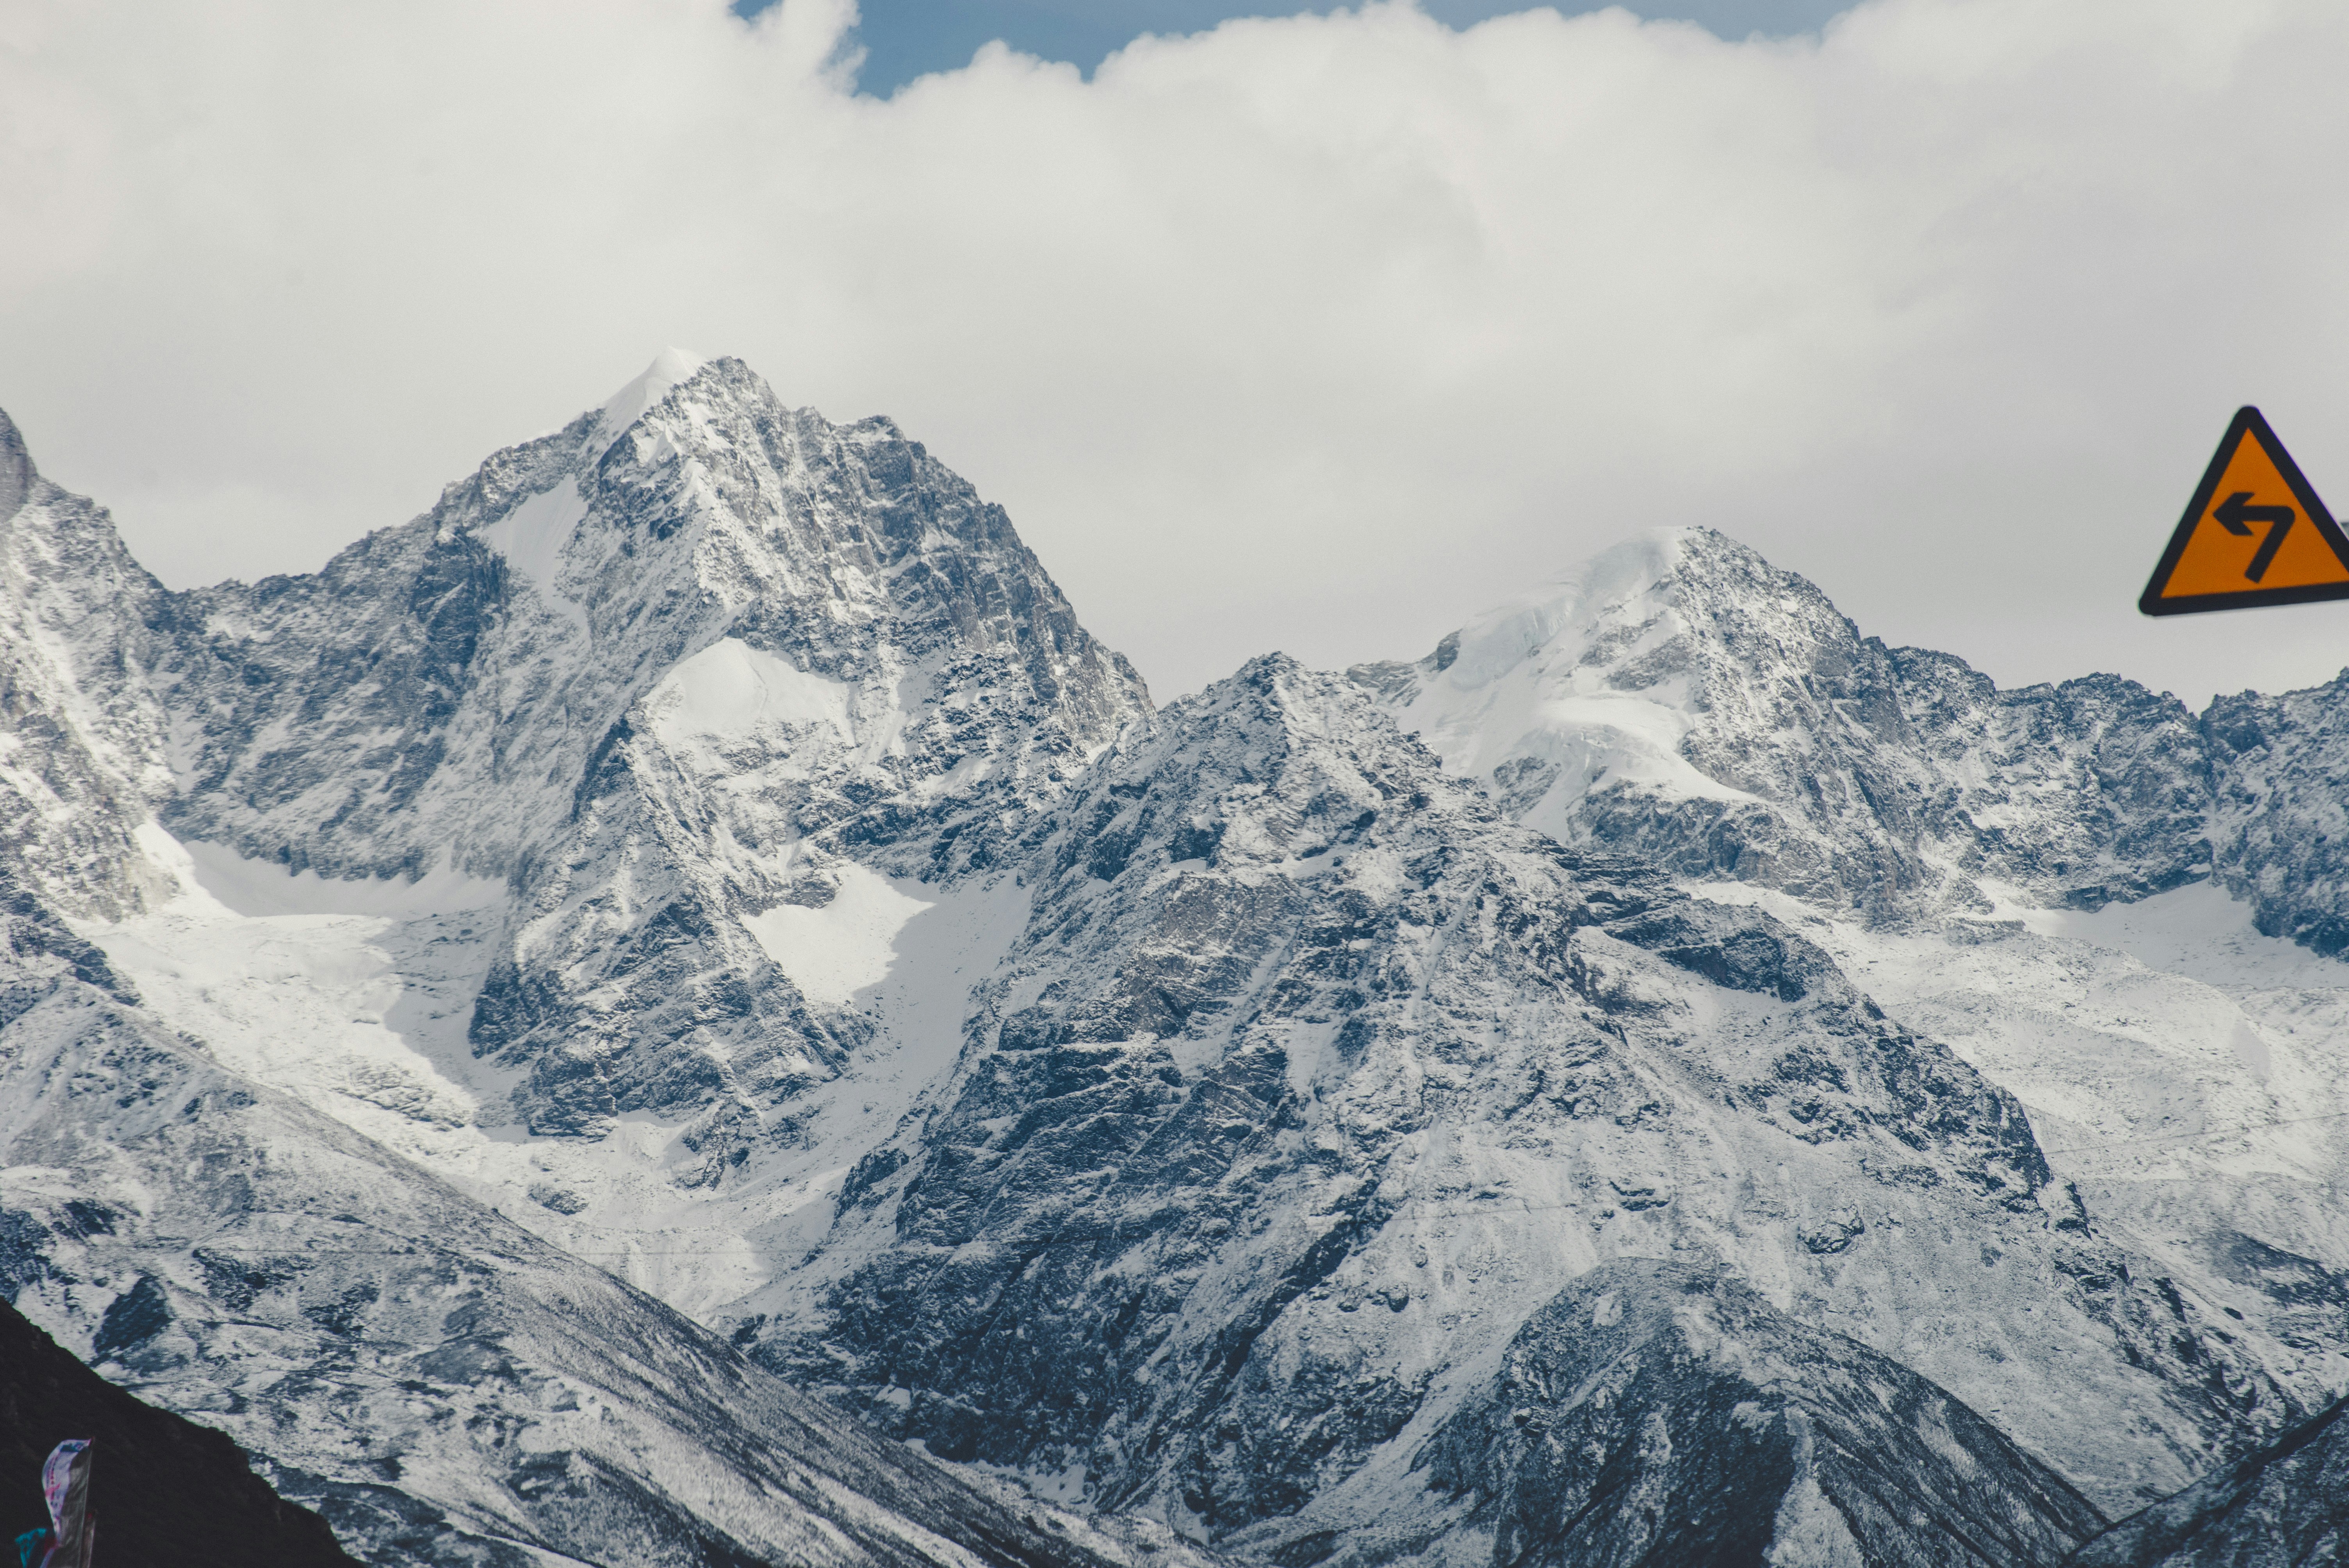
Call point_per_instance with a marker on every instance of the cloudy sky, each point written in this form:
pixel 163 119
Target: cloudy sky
pixel 1319 333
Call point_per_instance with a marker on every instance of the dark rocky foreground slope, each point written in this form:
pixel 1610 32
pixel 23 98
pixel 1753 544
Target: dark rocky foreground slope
pixel 165 1490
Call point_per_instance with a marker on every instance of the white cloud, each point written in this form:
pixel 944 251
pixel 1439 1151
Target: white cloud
pixel 1317 333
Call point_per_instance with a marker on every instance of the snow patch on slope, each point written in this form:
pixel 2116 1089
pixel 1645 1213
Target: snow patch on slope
pixel 1538 680
pixel 849 943
pixel 731 691
pixel 532 538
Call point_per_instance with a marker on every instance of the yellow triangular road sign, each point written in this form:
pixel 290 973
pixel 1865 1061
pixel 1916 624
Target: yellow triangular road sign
pixel 2255 534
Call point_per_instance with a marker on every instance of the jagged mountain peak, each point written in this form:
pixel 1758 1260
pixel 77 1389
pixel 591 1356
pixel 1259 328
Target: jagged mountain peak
pixel 670 368
pixel 656 680
pixel 1682 698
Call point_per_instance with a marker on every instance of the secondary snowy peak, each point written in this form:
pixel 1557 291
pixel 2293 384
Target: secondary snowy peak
pixel 670 368
pixel 1682 698
pixel 1597 680
pixel 1312 1077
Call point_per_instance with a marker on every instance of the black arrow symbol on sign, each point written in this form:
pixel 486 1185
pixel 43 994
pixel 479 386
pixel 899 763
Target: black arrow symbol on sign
pixel 2236 515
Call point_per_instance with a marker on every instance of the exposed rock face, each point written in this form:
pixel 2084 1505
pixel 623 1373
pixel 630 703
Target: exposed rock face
pixel 2285 1506
pixel 2280 822
pixel 1683 699
pixel 1312 1077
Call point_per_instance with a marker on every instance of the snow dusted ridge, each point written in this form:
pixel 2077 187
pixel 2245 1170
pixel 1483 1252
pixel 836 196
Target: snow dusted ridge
pixel 82 750
pixel 1317 1119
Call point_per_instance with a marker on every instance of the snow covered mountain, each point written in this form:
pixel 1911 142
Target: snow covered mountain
pixel 654 673
pixel 1312 1080
pixel 1662 1075
pixel 2176 1052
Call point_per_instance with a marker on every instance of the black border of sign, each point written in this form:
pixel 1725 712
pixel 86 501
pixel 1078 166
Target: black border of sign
pixel 2248 421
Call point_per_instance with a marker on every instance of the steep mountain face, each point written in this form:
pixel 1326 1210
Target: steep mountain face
pixel 2279 822
pixel 2178 1062
pixel 1682 699
pixel 1312 1078
pixel 168 1490
pixel 2282 1507
pixel 82 731
pixel 440 1385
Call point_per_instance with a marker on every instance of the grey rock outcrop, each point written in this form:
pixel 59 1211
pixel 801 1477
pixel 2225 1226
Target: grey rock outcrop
pixel 1656 1414
pixel 2279 822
